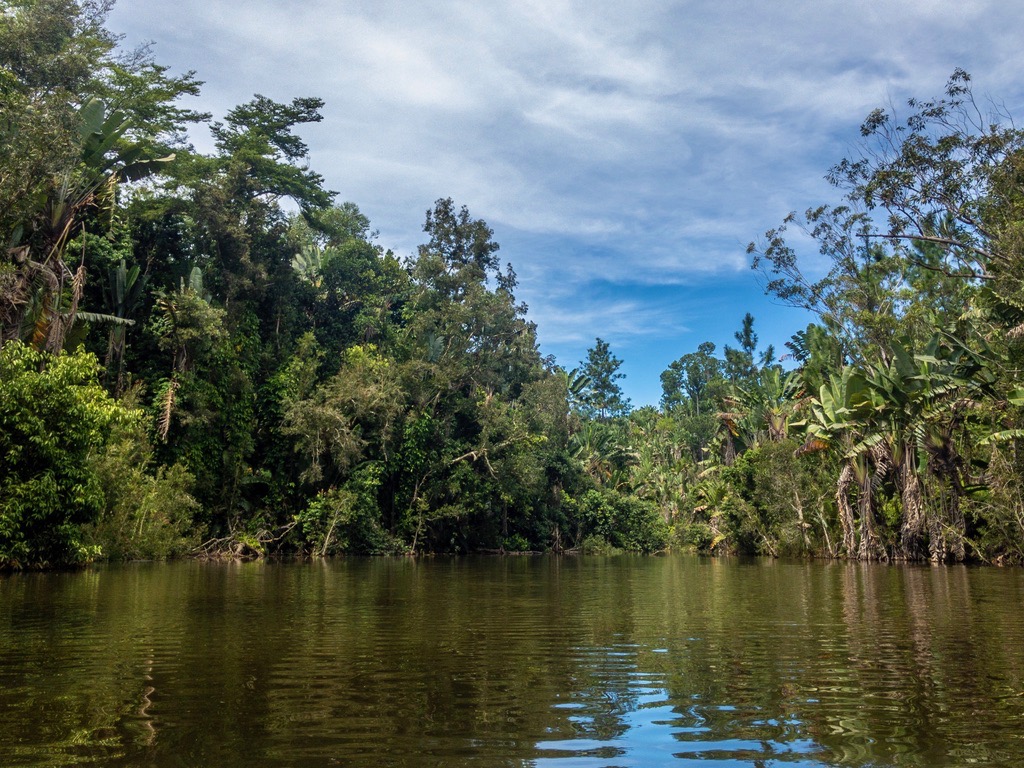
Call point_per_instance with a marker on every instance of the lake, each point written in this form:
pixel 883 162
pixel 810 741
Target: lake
pixel 553 662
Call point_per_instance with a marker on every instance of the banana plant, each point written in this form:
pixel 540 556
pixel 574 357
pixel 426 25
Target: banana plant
pixel 38 306
pixel 840 420
pixel 898 420
pixel 122 296
pixel 759 411
pixel 577 384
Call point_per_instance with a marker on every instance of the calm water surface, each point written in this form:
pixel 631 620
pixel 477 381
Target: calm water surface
pixel 548 662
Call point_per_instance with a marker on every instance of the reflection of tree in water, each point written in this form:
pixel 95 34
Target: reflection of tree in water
pixel 604 691
pixel 703 680
pixel 735 680
pixel 428 659
pixel 78 672
pixel 921 665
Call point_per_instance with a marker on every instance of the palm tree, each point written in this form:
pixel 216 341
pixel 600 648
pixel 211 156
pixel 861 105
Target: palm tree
pixel 662 468
pixel 600 452
pixel 761 410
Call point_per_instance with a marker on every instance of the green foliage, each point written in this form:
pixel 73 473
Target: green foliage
pixel 54 416
pixel 598 545
pixel 50 50
pixel 604 398
pixel 204 410
pixel 347 520
pixel 691 379
pixel 516 543
pixel 818 353
pixel 283 355
pixel 698 535
pixel 262 154
pixel 146 516
pixel 463 244
pixel 740 364
pixel 325 396
pixel 786 499
pixel 622 521
pixel 997 513
pixel 362 399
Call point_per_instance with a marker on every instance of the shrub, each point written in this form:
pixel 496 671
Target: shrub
pixel 624 521
pixel 145 516
pixel 347 519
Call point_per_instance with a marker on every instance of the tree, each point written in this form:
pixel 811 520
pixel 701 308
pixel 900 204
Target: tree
pixel 931 208
pixel 459 240
pixel 53 416
pixel 299 378
pixel 901 423
pixel 604 397
pixel 818 353
pixel 742 364
pixel 930 221
pixel 690 379
pixel 76 121
pixel 264 157
pixel 351 418
pixel 692 391
pixel 33 305
pixel 50 53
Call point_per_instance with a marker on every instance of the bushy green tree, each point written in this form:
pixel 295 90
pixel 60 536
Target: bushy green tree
pixel 149 510
pixel 54 416
pixel 621 521
pixel 929 224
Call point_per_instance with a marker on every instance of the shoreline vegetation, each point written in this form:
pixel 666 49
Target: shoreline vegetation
pixel 209 355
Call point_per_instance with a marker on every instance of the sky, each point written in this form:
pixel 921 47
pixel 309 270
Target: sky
pixel 624 153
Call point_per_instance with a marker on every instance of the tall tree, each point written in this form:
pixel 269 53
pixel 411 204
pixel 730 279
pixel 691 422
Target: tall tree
pixel 604 396
pixel 742 364
pixel 931 211
pixel 690 379
pixel 65 149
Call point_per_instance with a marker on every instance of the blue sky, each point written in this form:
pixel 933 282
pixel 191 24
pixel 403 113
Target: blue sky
pixel 623 152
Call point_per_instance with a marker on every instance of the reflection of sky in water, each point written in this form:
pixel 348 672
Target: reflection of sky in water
pixel 627 717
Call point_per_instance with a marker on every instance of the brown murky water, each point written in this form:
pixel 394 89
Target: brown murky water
pixel 553 662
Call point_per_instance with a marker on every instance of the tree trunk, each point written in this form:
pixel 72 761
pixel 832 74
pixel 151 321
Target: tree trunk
pixel 936 540
pixel 913 524
pixel 868 549
pixel 873 467
pixel 846 511
pixel 958 528
pixel 799 506
pixel 946 530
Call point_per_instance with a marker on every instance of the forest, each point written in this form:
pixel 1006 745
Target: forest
pixel 208 354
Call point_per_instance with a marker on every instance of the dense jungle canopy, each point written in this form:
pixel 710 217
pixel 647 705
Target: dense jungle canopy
pixel 210 354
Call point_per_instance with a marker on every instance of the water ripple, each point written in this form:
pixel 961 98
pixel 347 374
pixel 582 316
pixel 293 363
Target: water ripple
pixel 513 662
